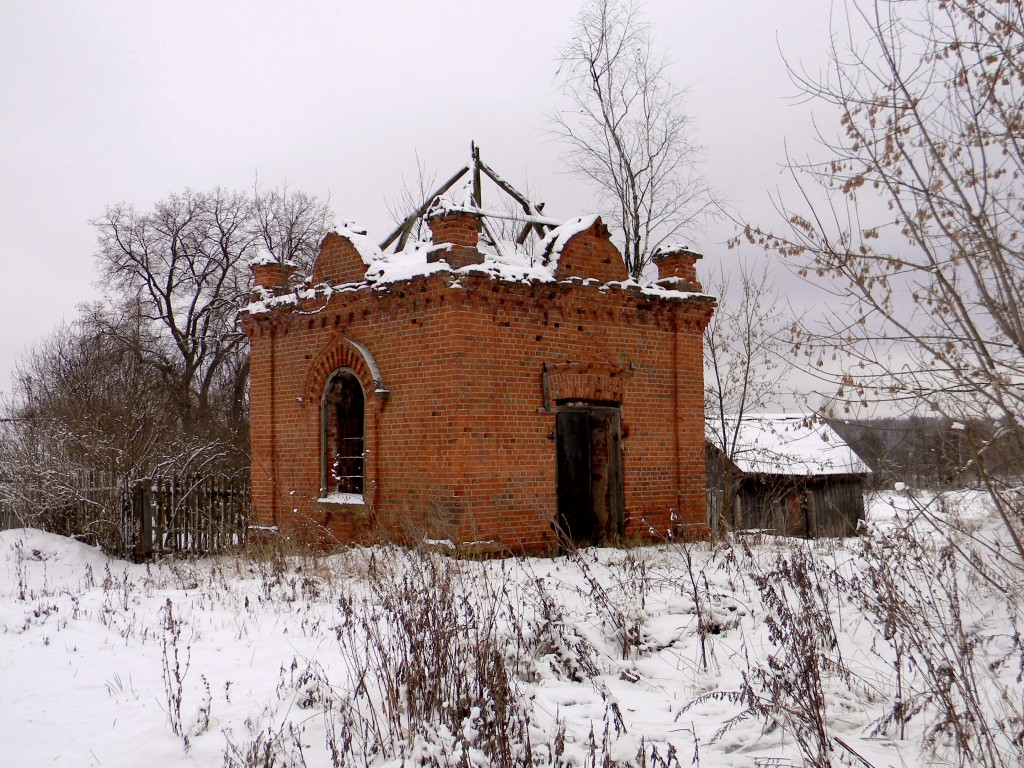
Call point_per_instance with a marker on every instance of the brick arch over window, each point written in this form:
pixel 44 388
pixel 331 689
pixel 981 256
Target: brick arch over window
pixel 339 357
pixel 342 352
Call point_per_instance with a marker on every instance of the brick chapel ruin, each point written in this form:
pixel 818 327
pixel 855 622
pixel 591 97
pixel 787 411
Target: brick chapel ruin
pixel 463 388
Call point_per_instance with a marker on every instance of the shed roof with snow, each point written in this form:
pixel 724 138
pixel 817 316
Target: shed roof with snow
pixel 785 445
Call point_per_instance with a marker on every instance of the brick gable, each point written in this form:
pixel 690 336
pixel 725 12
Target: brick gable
pixel 339 261
pixel 591 254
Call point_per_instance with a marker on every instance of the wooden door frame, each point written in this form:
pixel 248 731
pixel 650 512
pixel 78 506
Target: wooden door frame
pixel 615 525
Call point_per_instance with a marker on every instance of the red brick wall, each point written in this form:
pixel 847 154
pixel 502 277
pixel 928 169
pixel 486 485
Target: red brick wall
pixel 463 446
pixel 272 276
pixel 681 265
pixel 461 231
pixel 456 227
pixel 591 254
pixel 338 262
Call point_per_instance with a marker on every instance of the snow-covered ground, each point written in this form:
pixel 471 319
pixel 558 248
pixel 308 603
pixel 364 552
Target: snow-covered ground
pixel 674 654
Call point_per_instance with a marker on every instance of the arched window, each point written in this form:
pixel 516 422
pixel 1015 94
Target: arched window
pixel 342 467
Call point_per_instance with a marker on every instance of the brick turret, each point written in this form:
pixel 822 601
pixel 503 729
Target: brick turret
pixel 677 267
pixel 457 227
pixel 270 275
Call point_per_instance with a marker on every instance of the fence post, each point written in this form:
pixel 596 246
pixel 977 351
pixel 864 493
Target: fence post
pixel 714 510
pixel 142 511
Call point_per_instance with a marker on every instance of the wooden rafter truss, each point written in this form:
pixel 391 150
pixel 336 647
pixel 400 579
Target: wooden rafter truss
pixel 532 217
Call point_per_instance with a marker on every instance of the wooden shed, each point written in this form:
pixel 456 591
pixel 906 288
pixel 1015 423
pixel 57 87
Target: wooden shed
pixel 789 474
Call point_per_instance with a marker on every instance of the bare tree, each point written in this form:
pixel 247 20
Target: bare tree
pixel 97 382
pixel 626 129
pixel 88 407
pixel 744 349
pixel 743 346
pixel 186 264
pixel 153 379
pixel 414 193
pixel 930 98
pixel 914 217
pixel 289 224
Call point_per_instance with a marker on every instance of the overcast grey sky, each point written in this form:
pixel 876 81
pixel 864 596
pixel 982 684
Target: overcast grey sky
pixel 105 102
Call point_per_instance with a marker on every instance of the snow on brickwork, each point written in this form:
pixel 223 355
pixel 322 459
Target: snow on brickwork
pixel 556 240
pixel 505 261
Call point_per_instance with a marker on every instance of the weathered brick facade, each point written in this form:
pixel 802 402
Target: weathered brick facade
pixel 465 369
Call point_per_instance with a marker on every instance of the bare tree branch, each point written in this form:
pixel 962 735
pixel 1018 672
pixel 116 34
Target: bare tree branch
pixel 931 117
pixel 627 132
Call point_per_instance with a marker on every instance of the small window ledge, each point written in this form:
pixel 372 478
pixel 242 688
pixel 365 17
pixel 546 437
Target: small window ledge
pixel 349 499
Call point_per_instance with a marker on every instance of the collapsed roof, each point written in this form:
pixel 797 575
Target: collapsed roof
pixel 452 233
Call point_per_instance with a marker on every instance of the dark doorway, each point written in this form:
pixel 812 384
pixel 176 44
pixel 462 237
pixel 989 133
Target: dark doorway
pixel 589 473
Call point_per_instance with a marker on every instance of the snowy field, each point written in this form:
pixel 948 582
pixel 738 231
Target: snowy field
pixel 756 651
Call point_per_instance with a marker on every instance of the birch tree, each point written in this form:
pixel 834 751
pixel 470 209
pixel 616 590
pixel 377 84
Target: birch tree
pixel 744 354
pixel 626 130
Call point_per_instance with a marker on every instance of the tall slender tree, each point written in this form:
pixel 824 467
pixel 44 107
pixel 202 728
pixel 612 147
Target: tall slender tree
pixel 627 131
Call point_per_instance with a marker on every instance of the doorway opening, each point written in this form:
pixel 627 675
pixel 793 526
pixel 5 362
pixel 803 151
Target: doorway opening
pixel 589 473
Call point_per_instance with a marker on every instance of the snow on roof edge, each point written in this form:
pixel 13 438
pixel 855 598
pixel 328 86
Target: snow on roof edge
pixel 795 444
pixel 508 262
pixel 555 241
pixel 367 249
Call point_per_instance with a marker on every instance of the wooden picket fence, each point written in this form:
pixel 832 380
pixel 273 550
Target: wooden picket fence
pixel 186 516
pixel 144 518
pixel 84 505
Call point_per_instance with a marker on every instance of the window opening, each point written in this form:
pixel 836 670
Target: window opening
pixel 343 439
